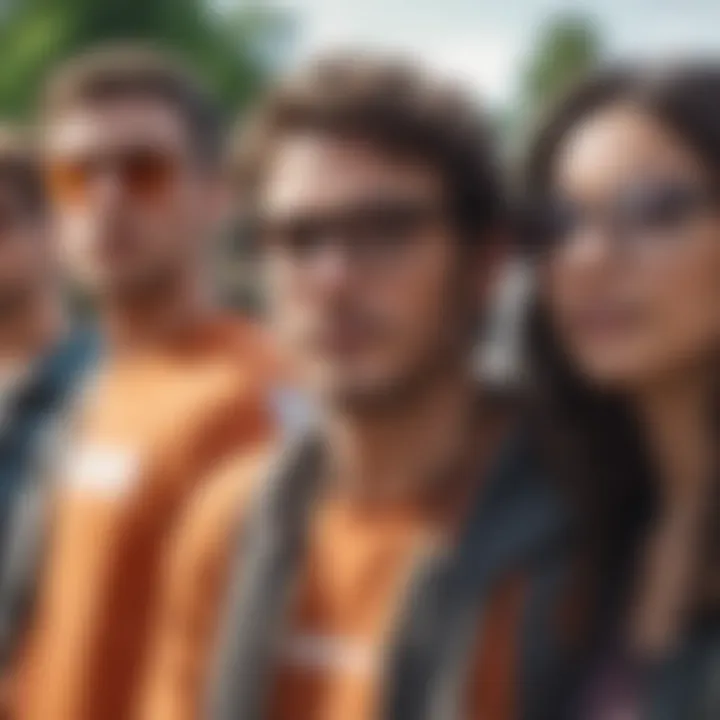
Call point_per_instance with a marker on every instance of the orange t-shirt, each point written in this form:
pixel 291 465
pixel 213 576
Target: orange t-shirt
pixel 148 429
pixel 351 586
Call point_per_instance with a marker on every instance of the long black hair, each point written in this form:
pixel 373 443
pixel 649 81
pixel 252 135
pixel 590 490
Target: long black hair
pixel 591 438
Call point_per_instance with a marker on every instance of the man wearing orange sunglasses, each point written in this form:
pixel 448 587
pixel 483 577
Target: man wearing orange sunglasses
pixel 132 149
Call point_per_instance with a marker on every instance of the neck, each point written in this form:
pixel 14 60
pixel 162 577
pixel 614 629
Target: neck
pixel 676 417
pixel 163 314
pixel 32 327
pixel 399 453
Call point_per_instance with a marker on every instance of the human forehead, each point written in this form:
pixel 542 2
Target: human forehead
pixel 620 145
pixel 313 171
pixel 115 124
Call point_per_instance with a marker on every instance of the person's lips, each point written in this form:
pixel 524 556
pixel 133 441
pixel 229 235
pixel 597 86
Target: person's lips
pixel 605 321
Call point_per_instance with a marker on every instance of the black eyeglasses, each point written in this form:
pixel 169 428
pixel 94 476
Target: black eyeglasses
pixel 377 231
pixel 638 215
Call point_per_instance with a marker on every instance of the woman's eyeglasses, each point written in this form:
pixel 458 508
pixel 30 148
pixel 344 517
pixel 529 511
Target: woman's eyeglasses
pixel 639 215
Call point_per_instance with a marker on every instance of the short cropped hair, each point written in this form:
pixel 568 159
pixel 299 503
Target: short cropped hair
pixel 20 171
pixel 133 70
pixel 395 106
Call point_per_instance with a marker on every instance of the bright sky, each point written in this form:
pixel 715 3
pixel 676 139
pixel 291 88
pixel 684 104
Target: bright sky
pixel 485 42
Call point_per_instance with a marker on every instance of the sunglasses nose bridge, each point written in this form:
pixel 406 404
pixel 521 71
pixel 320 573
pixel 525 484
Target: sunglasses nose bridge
pixel 332 262
pixel 106 187
pixel 591 244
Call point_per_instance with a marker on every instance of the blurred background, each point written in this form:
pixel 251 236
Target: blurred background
pixel 511 52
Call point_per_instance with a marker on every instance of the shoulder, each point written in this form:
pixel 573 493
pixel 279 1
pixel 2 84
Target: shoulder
pixel 244 362
pixel 215 515
pixel 262 378
pixel 251 345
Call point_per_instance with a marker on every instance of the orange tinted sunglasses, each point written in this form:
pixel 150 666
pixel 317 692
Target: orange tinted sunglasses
pixel 145 174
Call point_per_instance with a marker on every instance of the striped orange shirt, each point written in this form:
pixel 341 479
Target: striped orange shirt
pixel 349 591
pixel 151 427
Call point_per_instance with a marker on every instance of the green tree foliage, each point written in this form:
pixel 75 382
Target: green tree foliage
pixel 232 46
pixel 568 47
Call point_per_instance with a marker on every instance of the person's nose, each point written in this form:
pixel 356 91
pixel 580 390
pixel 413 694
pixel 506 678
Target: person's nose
pixel 332 267
pixel 592 247
pixel 107 192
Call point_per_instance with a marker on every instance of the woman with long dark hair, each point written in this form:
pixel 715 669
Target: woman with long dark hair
pixel 623 188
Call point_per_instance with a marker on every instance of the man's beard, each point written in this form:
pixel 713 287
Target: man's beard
pixel 380 398
pixel 448 353
pixel 144 289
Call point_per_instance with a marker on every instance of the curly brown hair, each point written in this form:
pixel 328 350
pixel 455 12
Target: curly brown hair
pixel 395 106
